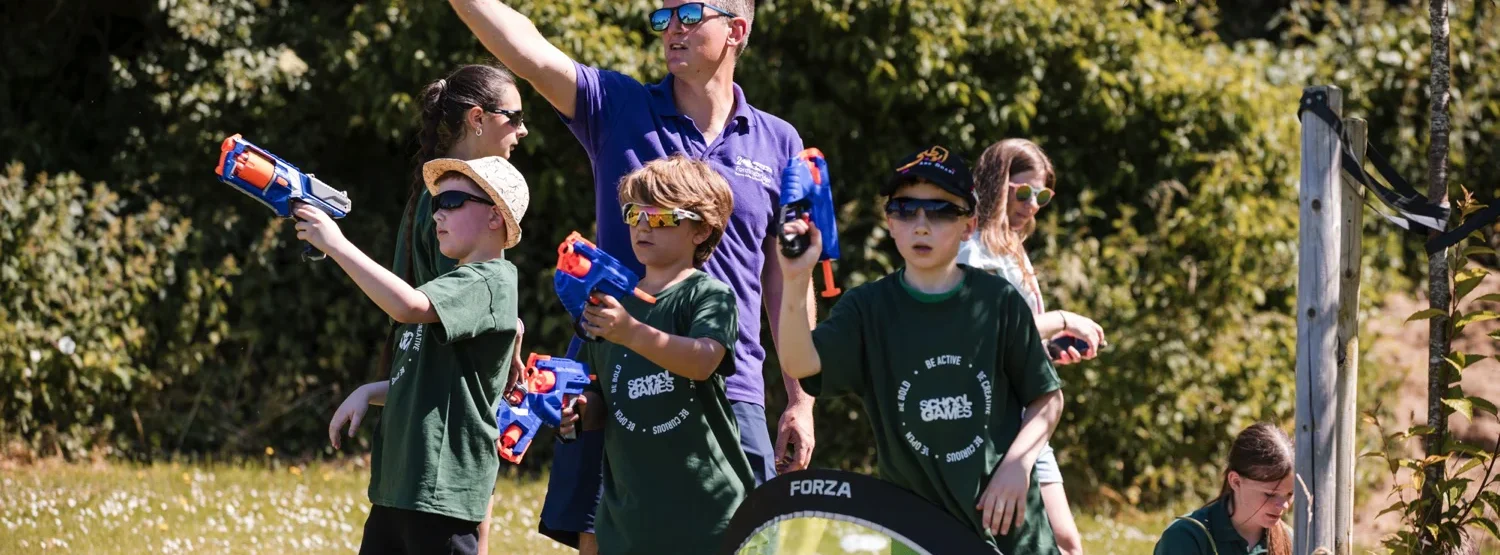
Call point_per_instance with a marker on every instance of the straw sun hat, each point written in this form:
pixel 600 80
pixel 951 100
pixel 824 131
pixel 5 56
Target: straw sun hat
pixel 497 178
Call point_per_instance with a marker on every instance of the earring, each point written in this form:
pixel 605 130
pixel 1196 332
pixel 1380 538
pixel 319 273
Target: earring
pixel 478 131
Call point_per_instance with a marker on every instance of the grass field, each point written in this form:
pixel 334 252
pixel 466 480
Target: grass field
pixel 172 508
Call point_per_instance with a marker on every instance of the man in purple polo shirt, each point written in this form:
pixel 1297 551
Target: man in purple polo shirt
pixel 699 111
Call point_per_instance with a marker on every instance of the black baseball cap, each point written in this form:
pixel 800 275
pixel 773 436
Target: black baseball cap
pixel 938 166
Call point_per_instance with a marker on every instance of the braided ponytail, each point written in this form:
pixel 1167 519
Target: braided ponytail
pixel 431 120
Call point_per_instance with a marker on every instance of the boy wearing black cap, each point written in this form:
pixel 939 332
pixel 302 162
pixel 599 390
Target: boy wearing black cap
pixel 945 358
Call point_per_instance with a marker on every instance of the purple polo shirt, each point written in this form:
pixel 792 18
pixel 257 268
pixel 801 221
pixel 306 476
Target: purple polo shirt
pixel 624 124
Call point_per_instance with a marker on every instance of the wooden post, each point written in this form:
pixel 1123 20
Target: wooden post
pixel 1319 224
pixel 1352 204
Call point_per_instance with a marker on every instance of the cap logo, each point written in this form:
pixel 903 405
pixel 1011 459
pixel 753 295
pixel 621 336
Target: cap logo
pixel 936 155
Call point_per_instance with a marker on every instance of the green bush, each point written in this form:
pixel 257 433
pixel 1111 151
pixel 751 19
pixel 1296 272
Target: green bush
pixel 96 286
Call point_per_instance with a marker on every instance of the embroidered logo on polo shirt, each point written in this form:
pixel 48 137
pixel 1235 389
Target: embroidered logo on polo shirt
pixel 761 173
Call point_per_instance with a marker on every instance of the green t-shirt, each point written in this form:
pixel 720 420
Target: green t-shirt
pixel 435 446
pixel 944 379
pixel 674 471
pixel 1211 533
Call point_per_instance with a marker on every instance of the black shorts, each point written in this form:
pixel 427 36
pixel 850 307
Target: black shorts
pixel 389 530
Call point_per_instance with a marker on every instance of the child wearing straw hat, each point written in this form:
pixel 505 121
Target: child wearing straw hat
pixel 434 462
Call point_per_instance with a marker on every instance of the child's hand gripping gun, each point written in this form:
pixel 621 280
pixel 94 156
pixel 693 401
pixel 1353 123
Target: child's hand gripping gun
pixel 277 184
pixel 582 270
pixel 537 398
pixel 805 194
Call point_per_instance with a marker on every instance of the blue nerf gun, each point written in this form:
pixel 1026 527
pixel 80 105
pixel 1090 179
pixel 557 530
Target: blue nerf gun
pixel 537 398
pixel 582 270
pixel 277 184
pixel 805 194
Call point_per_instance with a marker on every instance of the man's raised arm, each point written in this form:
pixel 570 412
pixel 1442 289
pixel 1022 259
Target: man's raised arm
pixel 515 41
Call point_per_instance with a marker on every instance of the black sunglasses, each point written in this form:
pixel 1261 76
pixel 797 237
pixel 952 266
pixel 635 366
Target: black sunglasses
pixel 516 117
pixel 905 209
pixel 689 14
pixel 452 200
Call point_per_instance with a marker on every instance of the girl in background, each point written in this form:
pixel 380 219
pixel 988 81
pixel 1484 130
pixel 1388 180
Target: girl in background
pixel 1014 180
pixel 1246 516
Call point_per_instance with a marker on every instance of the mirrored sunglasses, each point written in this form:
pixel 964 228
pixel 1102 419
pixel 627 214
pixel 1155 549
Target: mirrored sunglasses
pixel 656 216
pixel 1025 192
pixel 688 14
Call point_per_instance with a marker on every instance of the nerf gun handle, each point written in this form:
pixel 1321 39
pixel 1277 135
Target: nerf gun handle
pixel 611 291
pixel 331 201
pixel 571 402
pixel 794 244
pixel 309 252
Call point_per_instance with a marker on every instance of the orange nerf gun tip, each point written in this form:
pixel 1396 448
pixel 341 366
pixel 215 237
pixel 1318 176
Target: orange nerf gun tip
pixel 224 148
pixel 508 442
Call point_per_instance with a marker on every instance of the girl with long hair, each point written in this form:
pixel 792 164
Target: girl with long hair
pixel 1013 180
pixel 1246 516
